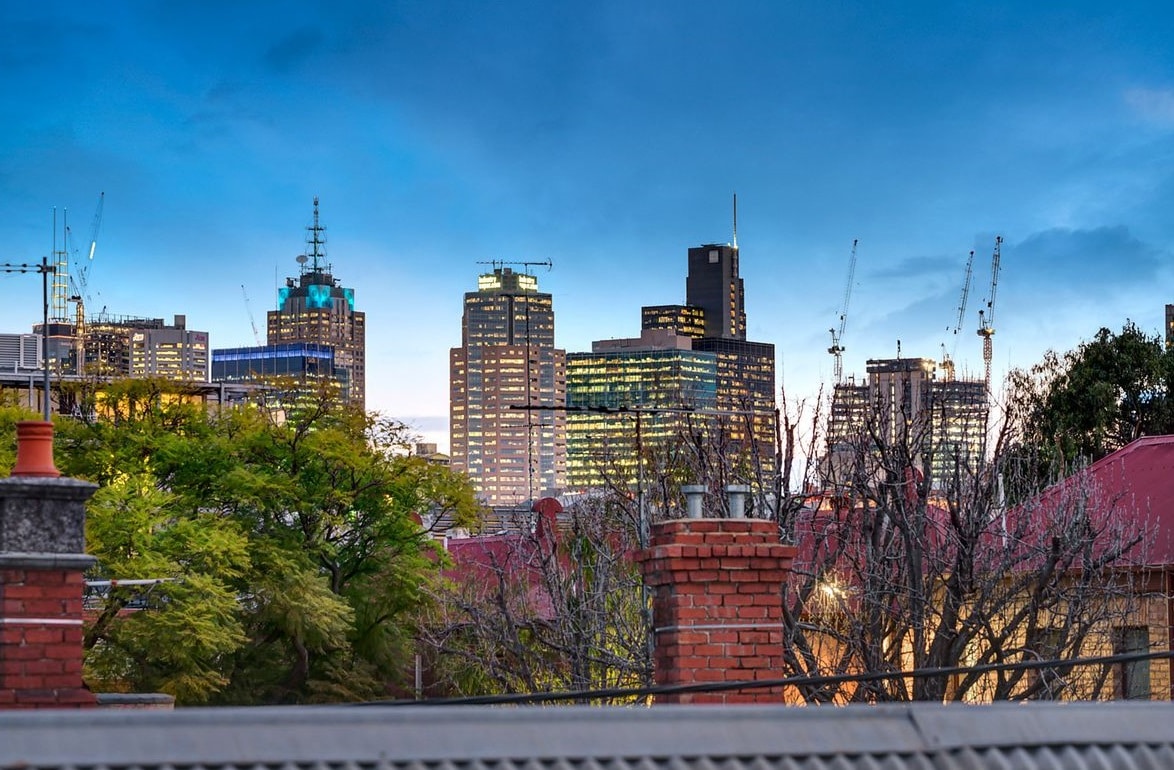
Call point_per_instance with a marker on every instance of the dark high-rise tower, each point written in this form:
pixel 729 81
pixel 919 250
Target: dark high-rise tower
pixel 314 308
pixel 714 286
pixel 507 359
pixel 715 317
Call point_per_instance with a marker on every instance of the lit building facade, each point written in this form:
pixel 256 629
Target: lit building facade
pixel 506 364
pixel 297 360
pixel 116 346
pixel 714 317
pixel 685 320
pixel 657 379
pixel 314 308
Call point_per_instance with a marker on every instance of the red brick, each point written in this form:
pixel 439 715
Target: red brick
pixel 45 666
pixel 62 651
pixel 49 577
pixel 709 675
pixel 44 635
pixel 24 652
pixel 49 608
pixel 24 683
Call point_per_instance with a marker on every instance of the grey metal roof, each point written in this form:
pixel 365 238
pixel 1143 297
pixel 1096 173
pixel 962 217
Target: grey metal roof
pixel 1110 735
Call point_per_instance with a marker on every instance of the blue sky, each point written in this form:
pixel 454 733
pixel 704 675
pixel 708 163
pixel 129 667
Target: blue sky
pixel 608 137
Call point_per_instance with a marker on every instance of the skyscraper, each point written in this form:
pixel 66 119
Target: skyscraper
pixel 714 315
pixel 713 284
pixel 506 364
pixel 315 308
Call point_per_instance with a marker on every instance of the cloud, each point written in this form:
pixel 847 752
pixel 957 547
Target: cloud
pixel 915 266
pixel 1154 105
pixel 1080 258
pixel 292 50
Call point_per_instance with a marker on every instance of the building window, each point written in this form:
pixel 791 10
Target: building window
pixel 1047 683
pixel 1132 677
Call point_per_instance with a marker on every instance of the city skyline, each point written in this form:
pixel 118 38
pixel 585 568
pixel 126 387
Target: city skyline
pixel 609 140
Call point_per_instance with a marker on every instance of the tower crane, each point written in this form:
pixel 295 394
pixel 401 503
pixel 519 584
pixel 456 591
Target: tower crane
pixel 986 319
pixel 948 358
pixel 498 263
pixel 837 350
pixel 80 279
pixel 249 310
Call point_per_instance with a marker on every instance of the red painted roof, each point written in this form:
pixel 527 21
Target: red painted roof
pixel 1137 479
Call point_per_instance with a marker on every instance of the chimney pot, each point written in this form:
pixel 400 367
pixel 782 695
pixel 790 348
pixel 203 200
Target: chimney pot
pixel 694 493
pixel 34 450
pixel 737 494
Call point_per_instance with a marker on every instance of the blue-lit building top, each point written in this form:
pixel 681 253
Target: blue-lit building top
pixel 315 309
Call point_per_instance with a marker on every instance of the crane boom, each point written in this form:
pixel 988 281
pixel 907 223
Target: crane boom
pixel 837 350
pixel 498 263
pixel 965 292
pixel 249 309
pixel 96 224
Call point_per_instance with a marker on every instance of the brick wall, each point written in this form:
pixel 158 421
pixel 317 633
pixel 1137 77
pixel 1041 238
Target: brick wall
pixel 41 638
pixel 42 561
pixel 717 605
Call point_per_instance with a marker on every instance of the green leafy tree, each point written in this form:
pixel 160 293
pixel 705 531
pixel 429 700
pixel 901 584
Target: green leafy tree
pixel 1094 399
pixel 286 546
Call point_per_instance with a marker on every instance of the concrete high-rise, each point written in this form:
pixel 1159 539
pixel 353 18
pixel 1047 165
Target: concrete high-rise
pixel 145 347
pixel 939 421
pixel 314 308
pixel 505 367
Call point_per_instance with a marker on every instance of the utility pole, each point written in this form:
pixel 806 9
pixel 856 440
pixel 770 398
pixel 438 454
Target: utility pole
pixel 45 269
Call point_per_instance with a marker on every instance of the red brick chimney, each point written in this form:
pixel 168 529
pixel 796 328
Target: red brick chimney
pixel 42 559
pixel 717 605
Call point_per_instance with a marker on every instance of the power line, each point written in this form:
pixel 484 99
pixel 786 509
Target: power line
pixel 758 684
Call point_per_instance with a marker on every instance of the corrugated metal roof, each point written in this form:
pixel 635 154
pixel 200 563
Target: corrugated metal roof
pixel 1110 735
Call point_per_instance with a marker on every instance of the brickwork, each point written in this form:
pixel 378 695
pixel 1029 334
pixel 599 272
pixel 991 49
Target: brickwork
pixel 41 639
pixel 42 561
pixel 717 605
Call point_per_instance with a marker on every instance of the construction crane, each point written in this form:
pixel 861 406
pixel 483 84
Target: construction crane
pixel 249 310
pixel 500 263
pixel 986 318
pixel 79 278
pixel 948 358
pixel 837 350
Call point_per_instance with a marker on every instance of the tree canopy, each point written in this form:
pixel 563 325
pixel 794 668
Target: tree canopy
pixel 286 556
pixel 1095 399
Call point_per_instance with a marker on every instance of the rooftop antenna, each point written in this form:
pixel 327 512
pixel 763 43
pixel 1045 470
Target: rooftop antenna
pixel 735 220
pixel 317 239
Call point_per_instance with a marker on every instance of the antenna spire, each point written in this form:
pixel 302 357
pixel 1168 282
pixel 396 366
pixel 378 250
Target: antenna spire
pixel 735 220
pixel 317 239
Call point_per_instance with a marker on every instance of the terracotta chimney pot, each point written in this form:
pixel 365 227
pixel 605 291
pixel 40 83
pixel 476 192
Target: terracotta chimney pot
pixel 34 450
